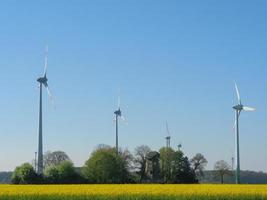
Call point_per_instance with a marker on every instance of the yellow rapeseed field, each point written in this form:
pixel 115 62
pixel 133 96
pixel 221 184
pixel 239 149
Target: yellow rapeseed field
pixel 153 190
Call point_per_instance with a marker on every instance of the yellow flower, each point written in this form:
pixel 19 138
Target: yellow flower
pixel 131 190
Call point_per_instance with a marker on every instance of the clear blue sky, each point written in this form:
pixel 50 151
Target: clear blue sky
pixel 173 60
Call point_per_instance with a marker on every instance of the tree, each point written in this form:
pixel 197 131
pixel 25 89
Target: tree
pixel 166 163
pixel 175 167
pixel 63 173
pixel 67 172
pixel 24 174
pixel 198 163
pixel 103 146
pixel 106 166
pixel 51 175
pixel 181 169
pixel 128 159
pixel 128 166
pixel 140 160
pixel 222 168
pixel 55 158
pixel 152 168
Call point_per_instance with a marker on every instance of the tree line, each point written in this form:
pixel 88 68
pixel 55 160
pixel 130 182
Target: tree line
pixel 106 165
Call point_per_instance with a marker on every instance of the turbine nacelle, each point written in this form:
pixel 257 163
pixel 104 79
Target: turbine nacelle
pixel 118 113
pixel 238 107
pixel 43 80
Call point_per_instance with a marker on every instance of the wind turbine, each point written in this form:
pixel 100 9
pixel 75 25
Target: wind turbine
pixel 238 109
pixel 180 147
pixel 42 82
pixel 117 116
pixel 168 137
pixel 35 160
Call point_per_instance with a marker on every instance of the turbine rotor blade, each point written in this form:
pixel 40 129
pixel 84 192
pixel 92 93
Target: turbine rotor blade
pixel 239 112
pixel 167 128
pixel 119 98
pixel 50 95
pixel 245 108
pixel 238 94
pixel 234 125
pixel 123 118
pixel 46 60
pixel 37 87
pixel 119 101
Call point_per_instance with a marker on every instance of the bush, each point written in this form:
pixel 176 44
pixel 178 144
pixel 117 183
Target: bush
pixel 25 174
pixel 63 173
pixel 106 166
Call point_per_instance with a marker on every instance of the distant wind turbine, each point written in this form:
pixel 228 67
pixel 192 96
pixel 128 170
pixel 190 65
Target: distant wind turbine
pixel 180 147
pixel 42 82
pixel 238 108
pixel 168 137
pixel 117 116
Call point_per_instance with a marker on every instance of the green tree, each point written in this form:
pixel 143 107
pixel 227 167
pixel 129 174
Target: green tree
pixel 175 167
pixel 67 173
pixel 63 173
pixel 51 175
pixel 182 171
pixel 166 164
pixel 24 174
pixel 106 166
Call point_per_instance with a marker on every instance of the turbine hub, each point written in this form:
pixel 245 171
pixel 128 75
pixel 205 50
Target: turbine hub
pixel 238 107
pixel 42 80
pixel 118 112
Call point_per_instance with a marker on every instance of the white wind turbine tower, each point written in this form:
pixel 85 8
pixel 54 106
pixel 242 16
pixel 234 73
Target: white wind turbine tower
pixel 238 108
pixel 180 147
pixel 117 116
pixel 168 137
pixel 42 82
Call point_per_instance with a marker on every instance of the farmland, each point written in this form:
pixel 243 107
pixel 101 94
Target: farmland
pixel 151 191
